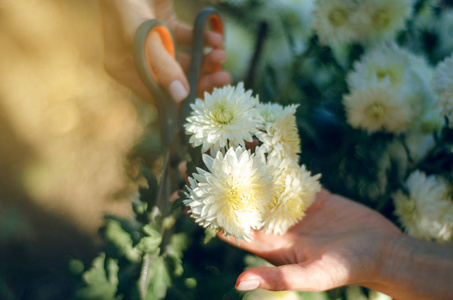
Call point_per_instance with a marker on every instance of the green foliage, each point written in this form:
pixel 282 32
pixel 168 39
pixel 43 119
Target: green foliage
pixel 101 280
pixel 138 250
pixel 121 240
pixel 154 278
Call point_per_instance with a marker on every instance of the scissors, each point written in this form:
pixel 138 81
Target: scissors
pixel 171 116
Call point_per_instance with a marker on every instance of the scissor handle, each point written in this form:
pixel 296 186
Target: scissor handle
pixel 167 109
pixel 207 16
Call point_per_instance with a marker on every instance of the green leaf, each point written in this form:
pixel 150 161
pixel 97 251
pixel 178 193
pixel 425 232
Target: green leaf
pixel 177 245
pixel 148 244
pixel 152 241
pixel 151 230
pixel 101 284
pixel 174 252
pixel 121 240
pixel 154 278
pixel 209 235
pixel 112 270
pixel 160 280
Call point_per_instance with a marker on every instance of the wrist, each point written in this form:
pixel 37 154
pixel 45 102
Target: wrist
pixel 396 269
pixel 416 269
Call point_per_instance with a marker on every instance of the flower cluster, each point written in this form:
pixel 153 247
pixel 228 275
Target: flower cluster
pixel 339 22
pixel 389 90
pixel 241 189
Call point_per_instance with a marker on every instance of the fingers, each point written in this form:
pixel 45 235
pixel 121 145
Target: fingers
pixel 183 36
pixel 210 78
pixel 308 276
pixel 167 71
pixel 211 61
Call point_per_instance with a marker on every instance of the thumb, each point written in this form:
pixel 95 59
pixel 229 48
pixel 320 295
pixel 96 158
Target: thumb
pixel 297 277
pixel 167 70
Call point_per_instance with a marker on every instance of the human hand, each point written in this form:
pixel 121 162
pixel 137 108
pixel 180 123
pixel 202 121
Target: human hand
pixel 339 242
pixel 120 22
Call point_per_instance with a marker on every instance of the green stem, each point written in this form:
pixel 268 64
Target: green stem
pixel 144 276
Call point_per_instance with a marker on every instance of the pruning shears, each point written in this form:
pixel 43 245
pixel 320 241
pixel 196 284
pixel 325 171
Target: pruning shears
pixel 172 116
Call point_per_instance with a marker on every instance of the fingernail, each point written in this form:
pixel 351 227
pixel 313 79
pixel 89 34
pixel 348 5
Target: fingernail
pixel 178 91
pixel 248 285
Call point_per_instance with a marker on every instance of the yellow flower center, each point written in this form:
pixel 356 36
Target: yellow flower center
pixel 375 111
pixel 381 19
pixel 222 114
pixel 394 72
pixel 337 17
pixel 381 74
pixel 239 201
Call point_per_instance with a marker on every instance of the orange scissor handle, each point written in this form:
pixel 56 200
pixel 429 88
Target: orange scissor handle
pixel 141 42
pixel 167 40
pixel 166 107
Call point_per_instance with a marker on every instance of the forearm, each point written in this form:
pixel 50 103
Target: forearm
pixel 417 269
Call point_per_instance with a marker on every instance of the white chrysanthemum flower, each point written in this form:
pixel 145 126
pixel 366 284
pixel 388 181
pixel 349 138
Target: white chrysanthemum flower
pixel 333 22
pixel 380 20
pixel 443 86
pixel 297 14
pixel 444 30
pixel 294 191
pixel 382 63
pixel 260 294
pixel 226 118
pixel 379 108
pixel 443 76
pixel 403 74
pixel 391 63
pixel 427 211
pixel 271 112
pixel 233 193
pixel 280 137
